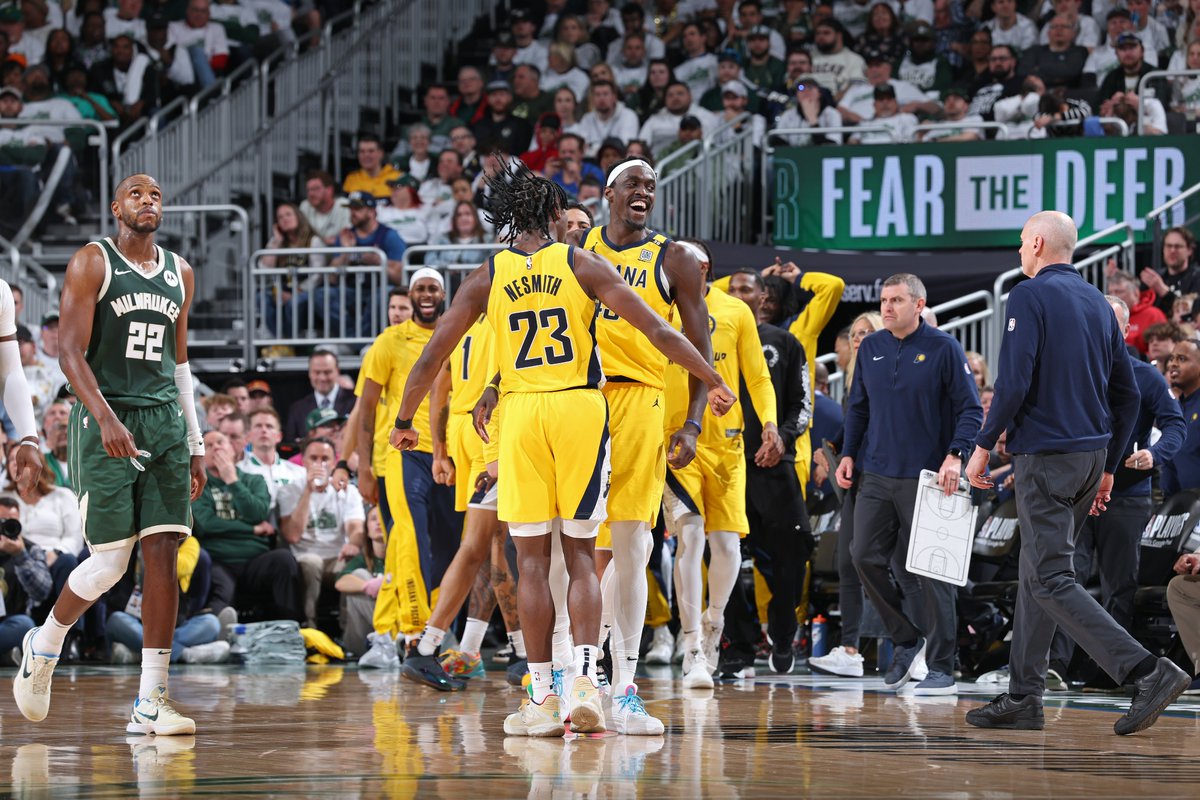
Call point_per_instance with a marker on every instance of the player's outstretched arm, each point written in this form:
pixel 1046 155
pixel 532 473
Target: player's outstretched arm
pixel 469 302
pixel 77 307
pixel 603 282
pixel 183 382
pixel 18 401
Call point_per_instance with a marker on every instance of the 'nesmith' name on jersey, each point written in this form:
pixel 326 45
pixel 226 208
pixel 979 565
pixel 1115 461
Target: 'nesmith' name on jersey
pixel 145 301
pixel 529 284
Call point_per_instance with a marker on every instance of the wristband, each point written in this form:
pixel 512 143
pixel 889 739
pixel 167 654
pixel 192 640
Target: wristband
pixel 699 428
pixel 403 424
pixel 30 443
pixel 195 445
pixel 495 386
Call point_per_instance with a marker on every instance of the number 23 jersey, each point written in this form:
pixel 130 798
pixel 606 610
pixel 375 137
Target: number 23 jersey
pixel 544 322
pixel 132 349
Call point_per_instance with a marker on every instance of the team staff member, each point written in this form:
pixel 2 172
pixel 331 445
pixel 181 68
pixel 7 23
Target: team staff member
pixel 1068 399
pixel 780 538
pixel 1114 537
pixel 541 297
pixel 915 403
pixel 667 278
pixel 426 528
pixel 1183 372
pixel 708 496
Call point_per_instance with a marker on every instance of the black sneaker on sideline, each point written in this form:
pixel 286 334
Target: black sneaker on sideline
pixel 427 670
pixel 1153 694
pixel 516 671
pixel 782 661
pixel 1005 712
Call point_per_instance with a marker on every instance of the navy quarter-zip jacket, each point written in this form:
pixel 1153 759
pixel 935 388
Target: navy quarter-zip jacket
pixel 1158 410
pixel 1065 384
pixel 1183 471
pixel 913 400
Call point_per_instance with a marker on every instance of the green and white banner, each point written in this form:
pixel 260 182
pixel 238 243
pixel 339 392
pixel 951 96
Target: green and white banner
pixel 973 194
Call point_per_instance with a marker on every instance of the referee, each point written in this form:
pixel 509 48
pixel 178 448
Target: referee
pixel 1068 398
pixel 913 406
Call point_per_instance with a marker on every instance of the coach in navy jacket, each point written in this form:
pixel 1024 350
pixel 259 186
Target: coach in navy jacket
pixel 1067 396
pixel 914 404
pixel 1112 540
pixel 1183 470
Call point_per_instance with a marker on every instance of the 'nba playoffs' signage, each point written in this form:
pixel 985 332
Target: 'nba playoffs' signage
pixel 881 197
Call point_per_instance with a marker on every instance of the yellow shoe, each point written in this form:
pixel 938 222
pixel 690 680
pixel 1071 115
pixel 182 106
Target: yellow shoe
pixel 536 719
pixel 585 712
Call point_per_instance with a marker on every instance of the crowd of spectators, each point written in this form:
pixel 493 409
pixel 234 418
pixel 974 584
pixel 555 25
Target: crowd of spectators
pixel 117 63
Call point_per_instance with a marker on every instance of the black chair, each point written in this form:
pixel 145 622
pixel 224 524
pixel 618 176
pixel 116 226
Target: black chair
pixel 1172 530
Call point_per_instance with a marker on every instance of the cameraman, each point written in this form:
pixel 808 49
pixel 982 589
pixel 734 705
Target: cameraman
pixel 24 576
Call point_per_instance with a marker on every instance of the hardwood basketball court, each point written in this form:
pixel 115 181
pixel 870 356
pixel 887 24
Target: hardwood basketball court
pixel 340 732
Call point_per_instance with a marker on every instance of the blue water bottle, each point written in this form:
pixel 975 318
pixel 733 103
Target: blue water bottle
pixel 820 644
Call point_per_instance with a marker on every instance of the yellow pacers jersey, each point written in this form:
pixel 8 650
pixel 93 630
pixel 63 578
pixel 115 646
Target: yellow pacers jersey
pixel 543 322
pixel 469 365
pixel 626 352
pixel 395 351
pixel 737 355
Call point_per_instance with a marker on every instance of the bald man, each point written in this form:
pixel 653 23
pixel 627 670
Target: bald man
pixel 1068 398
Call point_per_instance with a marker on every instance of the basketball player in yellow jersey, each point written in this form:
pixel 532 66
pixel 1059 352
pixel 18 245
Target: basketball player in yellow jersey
pixel 426 529
pixel 541 297
pixel 708 496
pixel 664 275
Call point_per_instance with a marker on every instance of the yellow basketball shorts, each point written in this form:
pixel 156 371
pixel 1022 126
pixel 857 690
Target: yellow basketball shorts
pixel 639 458
pixel 466 449
pixel 554 460
pixel 713 486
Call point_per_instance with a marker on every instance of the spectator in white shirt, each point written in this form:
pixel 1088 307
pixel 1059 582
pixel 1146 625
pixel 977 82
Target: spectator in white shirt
pixel 1103 58
pixel 326 212
pixel 20 41
pixel 49 514
pixel 125 18
pixel 631 65
pixel 858 103
pixel 1009 27
pixel 608 118
pixel 887 114
pixel 203 40
pixel 956 101
pixel 322 523
pixel 266 432
pixel 563 72
pixel 1152 32
pixel 1088 32
pixel 809 113
pixel 699 68
pixel 529 49
pixel 633 17
pixel 835 66
pixel 662 129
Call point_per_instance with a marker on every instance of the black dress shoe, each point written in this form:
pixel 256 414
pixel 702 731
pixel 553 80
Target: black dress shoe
pixel 782 661
pixel 1152 694
pixel 1005 712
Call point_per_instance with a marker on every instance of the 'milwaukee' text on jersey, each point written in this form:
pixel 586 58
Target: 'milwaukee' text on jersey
pixel 145 301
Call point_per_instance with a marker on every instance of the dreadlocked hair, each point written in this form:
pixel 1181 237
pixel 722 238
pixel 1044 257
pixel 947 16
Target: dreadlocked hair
pixel 522 202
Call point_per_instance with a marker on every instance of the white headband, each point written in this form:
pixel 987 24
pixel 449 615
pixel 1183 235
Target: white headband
pixel 637 162
pixel 426 272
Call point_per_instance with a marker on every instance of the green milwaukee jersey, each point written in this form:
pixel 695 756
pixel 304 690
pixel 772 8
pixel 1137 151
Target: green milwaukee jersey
pixel 132 350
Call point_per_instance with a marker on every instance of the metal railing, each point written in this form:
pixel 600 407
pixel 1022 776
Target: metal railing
pixel 449 271
pixel 1166 101
pixel 709 193
pixel 1000 128
pixel 357 293
pixel 1120 124
pixel 767 186
pixel 837 388
pixel 40 287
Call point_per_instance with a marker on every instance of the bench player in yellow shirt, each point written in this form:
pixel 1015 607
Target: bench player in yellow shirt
pixel 667 277
pixel 541 296
pixel 708 496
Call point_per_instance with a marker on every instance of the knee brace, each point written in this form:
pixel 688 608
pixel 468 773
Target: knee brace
pixel 100 571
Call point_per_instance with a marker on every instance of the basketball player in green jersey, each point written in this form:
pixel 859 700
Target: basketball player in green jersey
pixel 135 446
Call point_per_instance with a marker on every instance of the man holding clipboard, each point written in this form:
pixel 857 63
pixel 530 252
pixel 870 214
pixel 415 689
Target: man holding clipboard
pixel 913 406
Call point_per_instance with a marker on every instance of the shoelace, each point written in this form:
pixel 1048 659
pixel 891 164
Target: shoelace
pixel 632 703
pixel 43 671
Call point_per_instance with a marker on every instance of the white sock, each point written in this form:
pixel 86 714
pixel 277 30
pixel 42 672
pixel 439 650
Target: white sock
pixel 473 636
pixel 586 657
pixel 48 641
pixel 542 681
pixel 156 662
pixel 689 575
pixel 631 553
pixel 431 639
pixel 517 640
pixel 724 564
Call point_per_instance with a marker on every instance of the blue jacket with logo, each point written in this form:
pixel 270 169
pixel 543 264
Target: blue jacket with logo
pixel 913 400
pixel 1065 382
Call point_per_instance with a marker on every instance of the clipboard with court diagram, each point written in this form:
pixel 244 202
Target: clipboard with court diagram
pixel 943 529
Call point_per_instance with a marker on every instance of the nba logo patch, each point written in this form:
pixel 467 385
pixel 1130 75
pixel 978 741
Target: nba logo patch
pixel 171 278
pixel 1012 324
pixel 645 255
pixel 85 422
